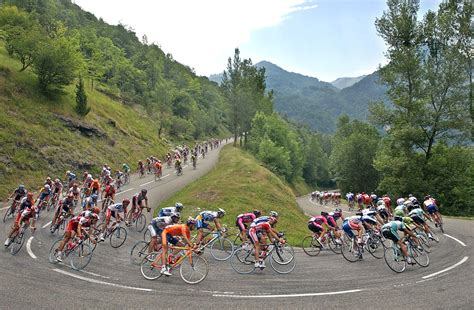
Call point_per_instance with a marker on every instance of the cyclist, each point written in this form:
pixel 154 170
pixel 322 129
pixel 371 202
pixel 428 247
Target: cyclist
pixel 125 168
pixel 114 211
pixel 432 209
pixel 360 201
pixel 109 192
pixel 64 209
pixel 87 181
pixel 382 210
pixel 48 181
pixel 194 158
pixel 74 228
pixel 172 231
pixel 141 168
pixel 17 195
pixel 178 207
pixel 390 231
pixel 57 189
pixel 156 227
pixel 137 201
pixel 319 225
pixel 206 216
pixel 177 164
pixel 332 224
pixel 418 216
pixel 354 223
pixel 257 235
pixel 350 200
pixel 157 167
pixel 388 203
pixel 243 219
pixel 44 195
pixel 71 178
pixel 95 186
pixel 26 211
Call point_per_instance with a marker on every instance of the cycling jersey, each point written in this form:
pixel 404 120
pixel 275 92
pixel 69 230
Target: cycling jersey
pixel 390 230
pixel 118 207
pixel 95 185
pixel 244 218
pixel 430 205
pixel 19 193
pixel 137 199
pixel 203 217
pixel 25 210
pixel 167 211
pixel 109 191
pixel 71 177
pixel 399 210
pixel 66 204
pixel 76 221
pixel 259 220
pixel 387 201
pixel 44 193
pixel 57 187
pixel 417 216
pixel 260 227
pixel 350 196
pixel 175 230
pixel 335 215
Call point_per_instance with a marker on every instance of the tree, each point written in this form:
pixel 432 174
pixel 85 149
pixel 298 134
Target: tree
pixel 81 99
pixel 57 62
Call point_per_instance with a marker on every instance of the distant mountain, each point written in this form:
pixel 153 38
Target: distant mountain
pixel 316 103
pixel 346 81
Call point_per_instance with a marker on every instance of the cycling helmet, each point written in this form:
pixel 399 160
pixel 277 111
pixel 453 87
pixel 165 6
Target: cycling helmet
pixel 191 221
pixel 380 202
pixel 398 212
pixel 175 215
pixel 400 201
pixel 89 176
pixel 126 202
pixel 56 181
pixel 144 191
pixel 427 197
pixel 159 161
pixel 338 210
pixel 96 210
pixel 48 179
pixel 257 213
pixel 398 218
pixel 70 195
pixel 410 195
pixel 47 187
pixel 324 213
pixel 407 220
pixel 273 214
pixel 220 212
pixel 179 206
pixel 21 187
pixel 94 196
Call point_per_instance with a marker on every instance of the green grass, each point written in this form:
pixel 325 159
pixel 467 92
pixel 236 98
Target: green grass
pixel 240 184
pixel 35 143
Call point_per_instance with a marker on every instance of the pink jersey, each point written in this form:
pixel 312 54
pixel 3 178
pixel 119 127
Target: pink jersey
pixel 318 220
pixel 246 218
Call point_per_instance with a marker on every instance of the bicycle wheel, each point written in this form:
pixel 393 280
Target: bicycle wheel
pixel 425 243
pixel 118 237
pixel 53 250
pixel 140 223
pixel 350 251
pixel 222 249
pixel 311 246
pixel 243 261
pixel 434 236
pixel 394 259
pixel 374 246
pixel 17 242
pixel 138 252
pixel 147 236
pixel 148 271
pixel 193 269
pixel 420 256
pixel 335 245
pixel 8 213
pixel 283 254
pixel 81 256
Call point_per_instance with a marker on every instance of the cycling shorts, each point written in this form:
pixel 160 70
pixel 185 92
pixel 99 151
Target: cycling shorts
pixel 154 230
pixel 201 224
pixel 391 235
pixel 432 209
pixel 254 235
pixel 26 219
pixel 417 219
pixel 169 238
pixel 315 227
pixel 72 226
pixel 347 229
pixel 111 213
pixel 383 213
pixel 43 196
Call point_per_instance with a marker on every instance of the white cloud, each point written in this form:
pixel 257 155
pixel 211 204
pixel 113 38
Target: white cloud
pixel 201 34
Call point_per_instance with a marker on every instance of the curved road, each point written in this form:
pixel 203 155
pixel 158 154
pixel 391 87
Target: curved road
pixel 110 281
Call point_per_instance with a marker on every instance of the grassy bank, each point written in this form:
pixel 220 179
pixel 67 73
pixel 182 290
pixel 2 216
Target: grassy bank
pixel 239 184
pixel 42 136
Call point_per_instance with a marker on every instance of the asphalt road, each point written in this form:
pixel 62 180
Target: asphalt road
pixel 28 280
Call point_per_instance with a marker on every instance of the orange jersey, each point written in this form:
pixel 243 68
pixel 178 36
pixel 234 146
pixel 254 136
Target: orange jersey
pixel 157 165
pixel 95 184
pixel 177 230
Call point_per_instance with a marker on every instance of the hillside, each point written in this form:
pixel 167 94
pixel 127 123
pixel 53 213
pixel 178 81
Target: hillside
pixel 318 104
pixel 346 81
pixel 240 184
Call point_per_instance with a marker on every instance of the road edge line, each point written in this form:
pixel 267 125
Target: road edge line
pixel 455 239
pixel 462 261
pixel 28 248
pixel 290 295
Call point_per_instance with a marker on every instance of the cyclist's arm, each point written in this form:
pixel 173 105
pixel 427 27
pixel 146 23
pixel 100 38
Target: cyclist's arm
pixel 218 224
pixel 186 236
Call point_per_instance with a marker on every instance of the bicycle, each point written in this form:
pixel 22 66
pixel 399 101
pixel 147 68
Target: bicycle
pixel 312 247
pixel 106 203
pixel 179 170
pixel 141 249
pixel 126 178
pixel 18 239
pixel 10 211
pixel 137 217
pixel 117 234
pixel 397 262
pixel 79 252
pixel 281 256
pixel 158 175
pixel 190 264
pixel 351 250
pixel 221 248
pixel 61 223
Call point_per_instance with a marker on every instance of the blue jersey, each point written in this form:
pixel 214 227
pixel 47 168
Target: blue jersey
pixel 167 211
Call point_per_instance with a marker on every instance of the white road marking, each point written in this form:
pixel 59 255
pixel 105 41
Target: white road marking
pixel 460 242
pixel 95 274
pixel 4 208
pixel 330 208
pixel 47 224
pixel 102 282
pixel 165 176
pixel 147 183
pixel 289 295
pixel 447 269
pixel 185 166
pixel 124 191
pixel 28 248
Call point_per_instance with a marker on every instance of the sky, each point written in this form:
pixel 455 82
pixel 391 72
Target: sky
pixel 326 39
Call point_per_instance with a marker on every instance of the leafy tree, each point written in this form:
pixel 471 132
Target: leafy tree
pixel 81 99
pixel 355 146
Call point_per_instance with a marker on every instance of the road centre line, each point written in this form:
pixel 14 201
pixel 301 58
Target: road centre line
pixel 147 183
pixel 124 191
pixel 94 274
pixel 289 295
pixel 102 282
pixel 462 261
pixel 28 248
pixel 165 176
pixel 313 203
pixel 455 239
pixel 47 224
